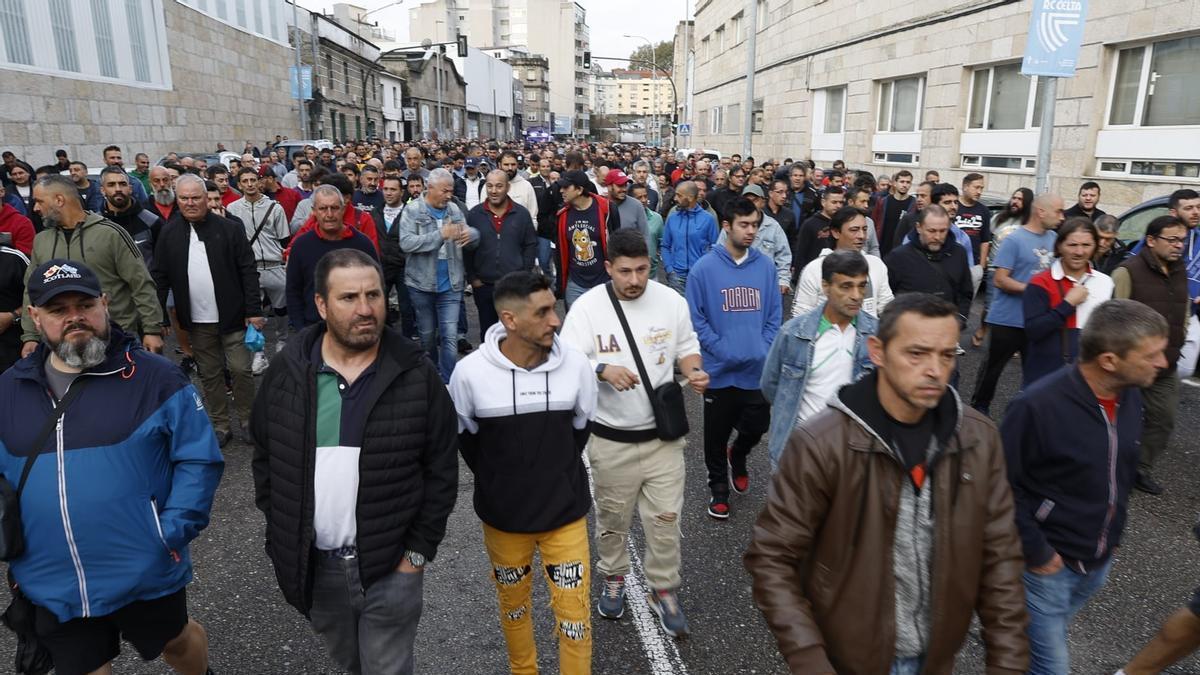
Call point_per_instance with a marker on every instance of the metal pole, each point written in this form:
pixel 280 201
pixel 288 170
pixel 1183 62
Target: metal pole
pixel 317 59
pixel 437 123
pixel 686 117
pixel 751 42
pixel 299 80
pixel 1046 137
pixel 653 92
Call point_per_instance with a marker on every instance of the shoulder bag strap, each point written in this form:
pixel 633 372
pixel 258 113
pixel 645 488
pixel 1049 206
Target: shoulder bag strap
pixel 637 356
pixel 258 230
pixel 51 422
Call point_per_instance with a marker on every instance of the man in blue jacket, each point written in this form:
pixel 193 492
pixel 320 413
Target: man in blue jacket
pixel 736 309
pixel 1071 482
pixel 106 525
pixel 821 349
pixel 688 234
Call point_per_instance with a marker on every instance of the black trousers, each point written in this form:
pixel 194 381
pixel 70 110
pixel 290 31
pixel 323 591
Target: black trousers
pixel 1003 343
pixel 727 410
pixel 486 308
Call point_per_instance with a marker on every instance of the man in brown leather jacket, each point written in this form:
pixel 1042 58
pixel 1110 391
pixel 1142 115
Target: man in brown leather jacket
pixel 890 520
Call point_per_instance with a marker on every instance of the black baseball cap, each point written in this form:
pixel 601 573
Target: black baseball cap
pixel 58 276
pixel 577 178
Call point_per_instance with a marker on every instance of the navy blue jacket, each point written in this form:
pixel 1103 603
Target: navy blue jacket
pixel 116 494
pixel 511 249
pixel 1070 469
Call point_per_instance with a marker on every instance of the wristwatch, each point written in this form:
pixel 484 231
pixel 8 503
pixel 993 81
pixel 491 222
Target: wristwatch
pixel 600 371
pixel 415 559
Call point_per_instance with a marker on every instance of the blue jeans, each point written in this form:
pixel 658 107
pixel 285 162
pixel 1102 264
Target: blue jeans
pixel 366 630
pixel 678 281
pixel 907 665
pixel 437 325
pixel 574 290
pixel 1053 600
pixel 544 255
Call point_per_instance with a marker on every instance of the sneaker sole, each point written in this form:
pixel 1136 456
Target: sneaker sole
pixel 729 466
pixel 718 516
pixel 610 616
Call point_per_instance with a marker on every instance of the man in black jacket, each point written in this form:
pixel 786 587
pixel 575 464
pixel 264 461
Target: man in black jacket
pixel 932 262
pixel 508 242
pixel 355 470
pixel 121 208
pixel 387 225
pixel 214 300
pixel 544 189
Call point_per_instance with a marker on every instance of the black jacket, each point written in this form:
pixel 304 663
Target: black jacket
pixel 912 268
pixel 1110 261
pixel 13 266
pixel 144 225
pixel 231 260
pixel 407 466
pixel 390 254
pixel 512 249
pixel 547 206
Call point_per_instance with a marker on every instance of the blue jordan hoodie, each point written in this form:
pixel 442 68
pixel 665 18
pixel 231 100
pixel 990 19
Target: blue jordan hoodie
pixel 736 311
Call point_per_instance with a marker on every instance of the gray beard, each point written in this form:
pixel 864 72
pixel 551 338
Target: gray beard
pixel 164 197
pixel 90 355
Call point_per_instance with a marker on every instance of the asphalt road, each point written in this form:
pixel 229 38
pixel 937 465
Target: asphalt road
pixel 251 629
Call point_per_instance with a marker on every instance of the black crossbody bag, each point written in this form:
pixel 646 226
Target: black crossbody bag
pixel 670 417
pixel 31 657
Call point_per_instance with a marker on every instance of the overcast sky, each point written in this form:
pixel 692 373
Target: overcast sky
pixel 609 20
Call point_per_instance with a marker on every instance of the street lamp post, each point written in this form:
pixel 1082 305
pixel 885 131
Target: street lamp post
pixel 653 84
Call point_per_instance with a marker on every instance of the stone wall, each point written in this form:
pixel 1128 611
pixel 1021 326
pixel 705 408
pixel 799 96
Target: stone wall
pixel 808 46
pixel 227 86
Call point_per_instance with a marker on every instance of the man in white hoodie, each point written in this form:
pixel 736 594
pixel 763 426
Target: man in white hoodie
pixel 848 227
pixel 524 401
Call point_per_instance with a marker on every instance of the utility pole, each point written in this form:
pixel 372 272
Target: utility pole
pixel 751 41
pixel 299 80
pixel 1046 136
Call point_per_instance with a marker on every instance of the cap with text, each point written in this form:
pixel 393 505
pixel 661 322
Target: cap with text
pixel 55 277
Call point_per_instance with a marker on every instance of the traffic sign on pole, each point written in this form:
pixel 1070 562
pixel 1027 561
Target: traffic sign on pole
pixel 1055 34
pixel 685 130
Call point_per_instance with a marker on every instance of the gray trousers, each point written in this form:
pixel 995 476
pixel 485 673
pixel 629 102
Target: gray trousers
pixel 367 632
pixel 1160 402
pixel 214 351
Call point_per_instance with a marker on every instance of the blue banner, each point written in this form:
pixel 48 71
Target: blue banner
pixel 305 81
pixel 1055 34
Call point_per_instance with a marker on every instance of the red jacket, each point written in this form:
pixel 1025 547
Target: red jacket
pixel 21 228
pixel 564 252
pixel 352 217
pixel 288 199
pixel 230 196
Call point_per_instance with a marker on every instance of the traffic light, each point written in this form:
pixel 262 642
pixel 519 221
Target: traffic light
pixel 462 46
pixel 587 60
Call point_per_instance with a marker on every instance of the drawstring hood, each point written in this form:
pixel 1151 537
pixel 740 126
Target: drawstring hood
pixel 491 351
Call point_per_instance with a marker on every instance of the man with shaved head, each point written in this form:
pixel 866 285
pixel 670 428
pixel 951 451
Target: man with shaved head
pixel 512 249
pixel 690 231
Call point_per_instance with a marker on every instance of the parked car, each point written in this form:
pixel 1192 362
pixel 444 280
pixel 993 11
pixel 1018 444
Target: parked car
pixel 294 145
pixel 1135 220
pixel 210 158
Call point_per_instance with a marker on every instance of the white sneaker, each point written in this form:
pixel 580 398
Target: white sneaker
pixel 259 365
pixel 1192 381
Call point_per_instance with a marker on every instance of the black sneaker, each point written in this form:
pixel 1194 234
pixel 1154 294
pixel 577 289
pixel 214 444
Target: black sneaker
pixel 739 477
pixel 1146 483
pixel 188 364
pixel 718 507
pixel 464 347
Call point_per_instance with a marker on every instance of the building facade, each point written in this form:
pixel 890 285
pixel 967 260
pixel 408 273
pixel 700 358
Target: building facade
pixel 886 86
pixel 391 93
pixel 533 72
pixel 632 93
pixel 151 76
pixel 489 93
pixel 347 102
pixel 683 74
pixel 556 29
pixel 436 94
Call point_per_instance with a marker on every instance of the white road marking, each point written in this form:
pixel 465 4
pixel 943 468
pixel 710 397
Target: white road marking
pixel 660 649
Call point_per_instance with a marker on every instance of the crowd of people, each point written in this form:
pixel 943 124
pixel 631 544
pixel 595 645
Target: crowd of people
pixel 896 510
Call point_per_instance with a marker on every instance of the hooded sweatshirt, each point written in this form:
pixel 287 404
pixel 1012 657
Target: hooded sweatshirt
pixel 772 241
pixel 687 236
pixel 523 432
pixel 736 312
pixel 111 253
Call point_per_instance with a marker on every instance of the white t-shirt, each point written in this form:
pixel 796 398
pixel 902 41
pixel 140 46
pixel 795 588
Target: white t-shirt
pixel 201 292
pixel 662 325
pixel 832 366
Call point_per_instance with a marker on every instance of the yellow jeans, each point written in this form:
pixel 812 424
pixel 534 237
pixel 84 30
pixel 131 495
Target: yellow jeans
pixel 566 565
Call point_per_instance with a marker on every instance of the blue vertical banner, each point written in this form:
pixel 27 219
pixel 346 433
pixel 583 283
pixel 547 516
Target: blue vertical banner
pixel 1055 34
pixel 304 85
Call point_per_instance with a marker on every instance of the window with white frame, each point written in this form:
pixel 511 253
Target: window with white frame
pixel 736 27
pixel 720 40
pixel 704 50
pixel 531 95
pixel 264 18
pixel 1004 99
pixel 763 12
pixel 835 110
pixel 757 118
pixel 900 105
pixel 531 75
pixel 120 41
pixel 715 125
pixel 1157 85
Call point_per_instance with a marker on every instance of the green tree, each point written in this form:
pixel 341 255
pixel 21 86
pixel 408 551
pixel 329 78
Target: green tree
pixel 663 55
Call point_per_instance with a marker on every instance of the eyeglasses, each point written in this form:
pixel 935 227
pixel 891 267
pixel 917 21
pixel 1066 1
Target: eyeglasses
pixel 1173 241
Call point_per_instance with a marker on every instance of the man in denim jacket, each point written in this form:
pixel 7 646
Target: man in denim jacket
pixel 818 352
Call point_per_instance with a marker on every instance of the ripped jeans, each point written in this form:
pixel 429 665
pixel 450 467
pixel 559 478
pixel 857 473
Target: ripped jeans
pixel 650 477
pixel 566 566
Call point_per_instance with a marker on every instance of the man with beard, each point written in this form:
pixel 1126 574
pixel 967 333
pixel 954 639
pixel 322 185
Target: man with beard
pixel 112 157
pixel 349 540
pixel 519 188
pixel 630 212
pixel 121 208
pixel 89 189
pixel 111 253
pixel 162 179
pixel 207 263
pixel 933 263
pixel 125 500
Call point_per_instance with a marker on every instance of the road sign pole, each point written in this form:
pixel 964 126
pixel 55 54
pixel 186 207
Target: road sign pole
pixel 1046 137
